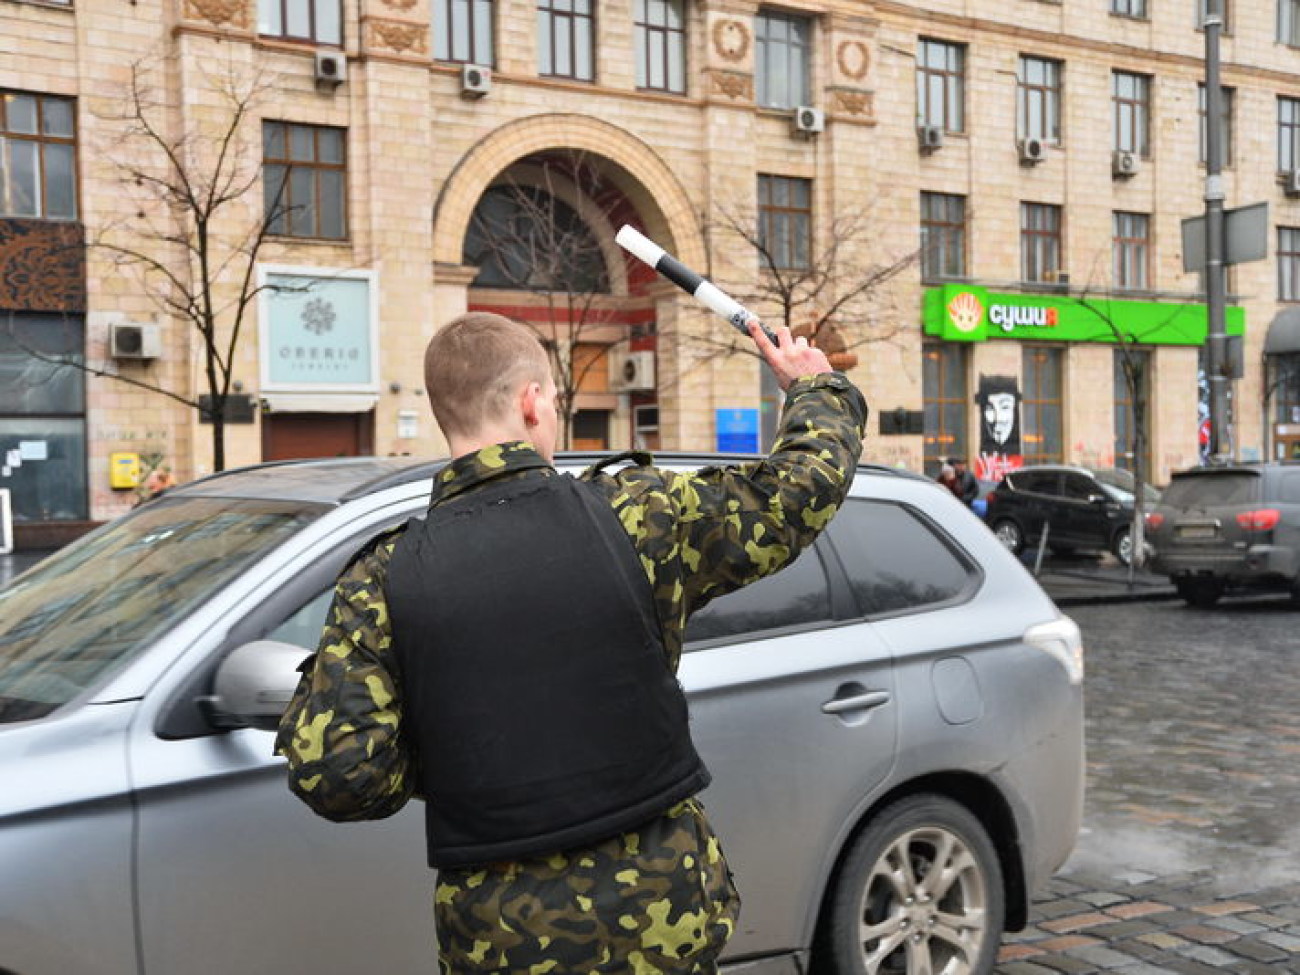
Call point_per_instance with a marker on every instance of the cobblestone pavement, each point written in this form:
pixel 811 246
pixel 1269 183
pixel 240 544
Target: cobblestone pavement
pixel 1189 860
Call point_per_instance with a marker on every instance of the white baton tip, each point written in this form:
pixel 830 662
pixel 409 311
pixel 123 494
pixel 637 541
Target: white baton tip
pixel 641 246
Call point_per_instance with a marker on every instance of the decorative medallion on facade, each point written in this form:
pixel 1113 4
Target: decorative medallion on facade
pixel 219 13
pixel 398 36
pixel 853 58
pixel 731 39
pixel 733 84
pixel 856 103
pixel 318 316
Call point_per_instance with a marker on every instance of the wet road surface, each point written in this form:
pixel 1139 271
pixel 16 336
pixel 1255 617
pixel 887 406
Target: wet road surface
pixel 1189 860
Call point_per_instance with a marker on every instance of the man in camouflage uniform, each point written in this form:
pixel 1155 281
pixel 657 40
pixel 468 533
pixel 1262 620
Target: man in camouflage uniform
pixel 657 898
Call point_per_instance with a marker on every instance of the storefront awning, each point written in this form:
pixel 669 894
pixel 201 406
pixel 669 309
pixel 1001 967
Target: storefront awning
pixel 1283 333
pixel 319 402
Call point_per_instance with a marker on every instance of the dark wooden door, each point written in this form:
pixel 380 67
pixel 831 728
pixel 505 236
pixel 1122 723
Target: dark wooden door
pixel 288 436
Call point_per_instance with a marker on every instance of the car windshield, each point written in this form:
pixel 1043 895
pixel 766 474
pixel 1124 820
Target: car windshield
pixel 85 611
pixel 1120 484
pixel 1201 490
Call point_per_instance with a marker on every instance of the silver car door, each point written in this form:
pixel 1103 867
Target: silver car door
pixel 792 708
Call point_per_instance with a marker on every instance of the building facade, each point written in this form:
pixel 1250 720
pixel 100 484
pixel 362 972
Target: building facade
pixel 977 205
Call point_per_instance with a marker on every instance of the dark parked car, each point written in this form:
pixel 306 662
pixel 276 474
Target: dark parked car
pixel 1219 529
pixel 1080 508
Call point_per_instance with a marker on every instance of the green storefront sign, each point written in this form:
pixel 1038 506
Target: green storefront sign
pixel 965 313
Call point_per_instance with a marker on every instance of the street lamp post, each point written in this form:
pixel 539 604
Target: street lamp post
pixel 1215 275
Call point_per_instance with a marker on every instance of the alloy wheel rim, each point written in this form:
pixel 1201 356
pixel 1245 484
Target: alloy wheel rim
pixel 1125 548
pixel 923 907
pixel 1007 534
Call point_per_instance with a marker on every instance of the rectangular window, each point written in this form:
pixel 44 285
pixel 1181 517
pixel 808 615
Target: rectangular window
pixel 1040 242
pixel 318 21
pixel 1288 133
pixel 1288 263
pixel 941 85
pixel 784 221
pixel 1225 130
pixel 661 45
pixel 1124 414
pixel 1131 112
pixel 462 31
pixel 304 180
pixel 1203 11
pixel 1042 437
pixel 1288 22
pixel 943 236
pixel 1131 247
pixel 943 389
pixel 783 44
pixel 566 33
pixel 1136 9
pixel 38 156
pixel 1038 99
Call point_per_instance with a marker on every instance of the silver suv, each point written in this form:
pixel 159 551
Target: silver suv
pixel 894 724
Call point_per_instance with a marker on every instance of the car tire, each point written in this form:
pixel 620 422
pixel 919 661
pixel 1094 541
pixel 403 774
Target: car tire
pixel 1201 593
pixel 891 912
pixel 1010 534
pixel 1122 545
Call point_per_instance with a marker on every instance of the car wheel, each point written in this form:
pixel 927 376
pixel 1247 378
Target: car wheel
pixel 1122 545
pixel 920 892
pixel 1010 535
pixel 1201 593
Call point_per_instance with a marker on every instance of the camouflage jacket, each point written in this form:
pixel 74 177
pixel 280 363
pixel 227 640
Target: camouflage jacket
pixel 700 535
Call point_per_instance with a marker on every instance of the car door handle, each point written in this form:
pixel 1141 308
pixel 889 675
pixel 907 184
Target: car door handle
pixel 857 702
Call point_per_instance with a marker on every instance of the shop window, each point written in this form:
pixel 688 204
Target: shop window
pixel 1042 369
pixel 941 84
pixel 1131 249
pixel 781 60
pixel 38 172
pixel 1130 97
pixel 43 418
pixel 784 222
pixel 1225 132
pixel 1040 242
pixel 565 39
pixel 462 31
pixel 304 178
pixel 943 236
pixel 943 388
pixel 661 45
pixel 1038 99
pixel 318 21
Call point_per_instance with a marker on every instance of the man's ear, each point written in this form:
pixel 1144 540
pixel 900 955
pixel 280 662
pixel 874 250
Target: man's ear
pixel 528 399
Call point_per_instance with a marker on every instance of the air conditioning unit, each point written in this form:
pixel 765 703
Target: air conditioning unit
pixel 1032 151
pixel 475 80
pixel 809 120
pixel 1124 163
pixel 331 69
pixel 128 340
pixel 632 372
pixel 930 137
pixel 1291 182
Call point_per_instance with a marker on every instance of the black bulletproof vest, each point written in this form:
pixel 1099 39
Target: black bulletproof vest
pixel 533 675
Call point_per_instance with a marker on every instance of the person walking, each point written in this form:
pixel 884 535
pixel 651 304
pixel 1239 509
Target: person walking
pixel 968 489
pixel 948 478
pixel 511 659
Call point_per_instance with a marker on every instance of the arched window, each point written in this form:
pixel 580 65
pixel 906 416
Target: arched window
pixel 525 238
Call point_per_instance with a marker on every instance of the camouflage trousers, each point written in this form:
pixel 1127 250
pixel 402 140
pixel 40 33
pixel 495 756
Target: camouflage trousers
pixel 655 901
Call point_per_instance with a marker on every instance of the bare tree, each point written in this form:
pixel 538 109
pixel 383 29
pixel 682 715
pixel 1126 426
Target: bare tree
pixel 195 228
pixel 526 235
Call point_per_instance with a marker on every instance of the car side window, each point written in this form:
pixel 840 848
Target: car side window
pixel 1079 488
pixel 793 596
pixel 896 561
pixel 1290 488
pixel 1034 482
pixel 303 627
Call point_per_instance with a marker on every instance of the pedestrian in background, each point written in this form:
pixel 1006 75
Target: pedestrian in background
pixel 968 489
pixel 948 478
pixel 512 657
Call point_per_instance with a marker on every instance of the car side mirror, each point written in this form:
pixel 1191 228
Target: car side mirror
pixel 1097 499
pixel 254 684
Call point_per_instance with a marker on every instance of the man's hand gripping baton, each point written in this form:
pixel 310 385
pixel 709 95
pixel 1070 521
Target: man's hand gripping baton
pixel 704 290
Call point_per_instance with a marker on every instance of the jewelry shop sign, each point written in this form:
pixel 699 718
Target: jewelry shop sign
pixel 318 330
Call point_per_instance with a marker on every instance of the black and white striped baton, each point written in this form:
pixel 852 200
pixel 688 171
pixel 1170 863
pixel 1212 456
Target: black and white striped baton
pixel 705 291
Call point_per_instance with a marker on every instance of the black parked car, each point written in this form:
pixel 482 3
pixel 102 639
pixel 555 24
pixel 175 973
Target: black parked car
pixel 1219 529
pixel 1080 508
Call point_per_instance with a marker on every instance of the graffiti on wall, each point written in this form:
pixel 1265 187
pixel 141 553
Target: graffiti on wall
pixel 998 400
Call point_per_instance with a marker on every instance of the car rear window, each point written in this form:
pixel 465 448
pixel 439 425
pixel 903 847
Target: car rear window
pixel 85 611
pixel 1199 490
pixel 794 596
pixel 895 561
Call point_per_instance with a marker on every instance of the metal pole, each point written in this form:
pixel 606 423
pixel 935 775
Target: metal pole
pixel 1215 283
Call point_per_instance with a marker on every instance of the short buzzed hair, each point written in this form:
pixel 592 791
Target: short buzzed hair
pixel 475 365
